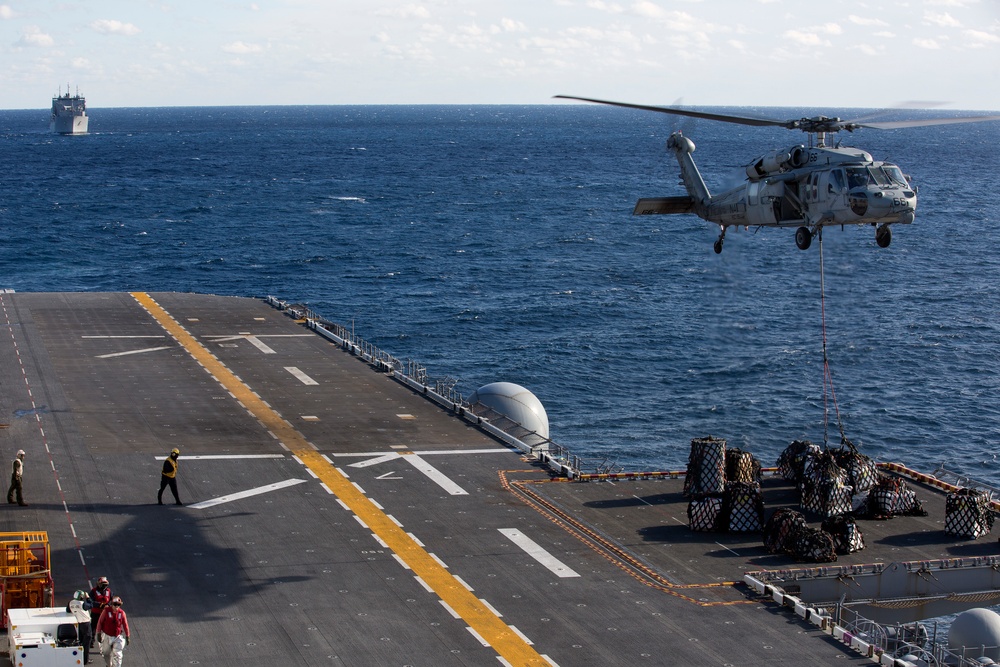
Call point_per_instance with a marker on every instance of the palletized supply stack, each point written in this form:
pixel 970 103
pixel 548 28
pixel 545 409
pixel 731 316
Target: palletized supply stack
pixel 967 514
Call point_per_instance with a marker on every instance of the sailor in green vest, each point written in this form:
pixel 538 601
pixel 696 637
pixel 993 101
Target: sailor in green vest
pixel 168 476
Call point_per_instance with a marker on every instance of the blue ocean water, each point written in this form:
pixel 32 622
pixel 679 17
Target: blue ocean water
pixel 497 243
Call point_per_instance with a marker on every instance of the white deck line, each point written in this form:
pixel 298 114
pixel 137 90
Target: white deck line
pixel 434 475
pixel 556 566
pixel 300 376
pixel 246 494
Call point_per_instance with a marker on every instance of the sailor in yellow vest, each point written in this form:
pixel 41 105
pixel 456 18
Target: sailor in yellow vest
pixel 168 476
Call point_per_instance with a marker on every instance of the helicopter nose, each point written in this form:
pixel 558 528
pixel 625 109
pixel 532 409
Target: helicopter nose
pixel 899 204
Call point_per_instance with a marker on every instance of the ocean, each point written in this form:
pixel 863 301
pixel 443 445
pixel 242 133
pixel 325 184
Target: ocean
pixel 497 243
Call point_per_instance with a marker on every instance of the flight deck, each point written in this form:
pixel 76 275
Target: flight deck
pixel 334 516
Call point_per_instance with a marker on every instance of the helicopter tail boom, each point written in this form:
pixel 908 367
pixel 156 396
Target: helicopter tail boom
pixel 693 182
pixel 664 205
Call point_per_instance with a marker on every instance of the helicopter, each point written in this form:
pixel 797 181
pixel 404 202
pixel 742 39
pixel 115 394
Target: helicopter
pixel 807 187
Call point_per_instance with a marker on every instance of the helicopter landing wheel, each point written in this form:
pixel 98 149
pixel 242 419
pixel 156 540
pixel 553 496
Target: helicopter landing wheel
pixel 883 236
pixel 718 243
pixel 803 238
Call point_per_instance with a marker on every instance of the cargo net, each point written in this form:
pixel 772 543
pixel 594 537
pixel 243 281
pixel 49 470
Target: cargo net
pixel 847 537
pixel 823 488
pixel 738 509
pixel 724 488
pixel 706 469
pixel 967 514
pixel 888 498
pixel 705 513
pixel 786 532
pixel 861 470
pixel 828 481
pixel 743 507
pixel 791 463
pixel 742 467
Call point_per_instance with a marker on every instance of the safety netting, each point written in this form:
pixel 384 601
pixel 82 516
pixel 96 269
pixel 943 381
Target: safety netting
pixel 890 497
pixel 706 469
pixel 967 514
pixel 847 537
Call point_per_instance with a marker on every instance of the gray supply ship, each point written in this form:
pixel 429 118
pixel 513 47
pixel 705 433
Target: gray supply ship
pixel 69 113
pixel 340 508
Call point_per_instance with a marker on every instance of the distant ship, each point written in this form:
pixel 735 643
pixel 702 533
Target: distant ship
pixel 69 114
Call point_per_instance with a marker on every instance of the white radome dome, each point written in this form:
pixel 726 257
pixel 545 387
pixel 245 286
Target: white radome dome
pixel 515 402
pixel 975 628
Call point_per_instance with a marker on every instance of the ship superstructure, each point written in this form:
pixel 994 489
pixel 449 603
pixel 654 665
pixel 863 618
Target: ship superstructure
pixel 69 113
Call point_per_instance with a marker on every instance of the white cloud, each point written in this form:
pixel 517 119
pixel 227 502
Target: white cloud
pixel 80 63
pixel 602 6
pixel 6 12
pixel 927 44
pixel 806 38
pixel 980 38
pixel 114 27
pixel 649 10
pixel 33 36
pixel 862 20
pixel 407 12
pixel 242 48
pixel 885 33
pixel 944 20
pixel 869 50
pixel 510 25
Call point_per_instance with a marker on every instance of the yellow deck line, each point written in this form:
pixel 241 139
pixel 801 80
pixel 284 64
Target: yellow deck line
pixel 511 647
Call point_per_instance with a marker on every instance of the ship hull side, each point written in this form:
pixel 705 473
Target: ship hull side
pixel 70 124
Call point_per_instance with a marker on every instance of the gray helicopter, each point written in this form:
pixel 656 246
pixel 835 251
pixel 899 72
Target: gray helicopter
pixel 806 187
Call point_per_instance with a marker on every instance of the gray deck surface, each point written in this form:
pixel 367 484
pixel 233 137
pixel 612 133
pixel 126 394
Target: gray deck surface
pixel 290 577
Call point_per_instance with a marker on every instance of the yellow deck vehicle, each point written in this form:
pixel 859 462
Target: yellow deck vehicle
pixel 25 572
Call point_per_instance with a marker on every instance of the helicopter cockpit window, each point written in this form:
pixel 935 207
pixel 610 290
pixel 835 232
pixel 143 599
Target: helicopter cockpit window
pixel 857 177
pixel 838 182
pixel 879 177
pixel 895 175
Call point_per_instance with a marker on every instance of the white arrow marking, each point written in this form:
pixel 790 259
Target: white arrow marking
pixel 246 494
pixel 386 476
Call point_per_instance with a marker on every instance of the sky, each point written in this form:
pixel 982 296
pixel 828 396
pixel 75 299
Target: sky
pixel 847 53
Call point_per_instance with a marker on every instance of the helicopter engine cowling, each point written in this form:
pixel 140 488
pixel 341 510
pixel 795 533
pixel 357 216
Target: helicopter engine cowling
pixel 777 161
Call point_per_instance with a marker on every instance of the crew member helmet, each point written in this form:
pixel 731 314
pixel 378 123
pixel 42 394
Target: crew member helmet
pixel 20 453
pixel 102 580
pixel 116 601
pixel 79 595
pixel 175 452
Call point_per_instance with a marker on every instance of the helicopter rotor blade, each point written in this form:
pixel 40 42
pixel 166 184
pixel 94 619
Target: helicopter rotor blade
pixel 739 120
pixel 818 124
pixel 893 125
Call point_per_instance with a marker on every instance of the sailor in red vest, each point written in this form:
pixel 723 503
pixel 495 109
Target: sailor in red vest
pixel 100 596
pixel 112 632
